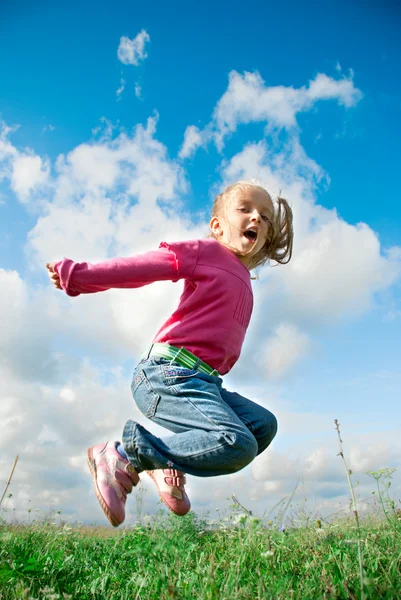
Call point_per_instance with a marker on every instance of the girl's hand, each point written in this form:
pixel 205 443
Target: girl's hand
pixel 54 278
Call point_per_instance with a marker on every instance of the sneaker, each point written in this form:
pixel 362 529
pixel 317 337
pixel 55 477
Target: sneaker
pixel 170 485
pixel 113 478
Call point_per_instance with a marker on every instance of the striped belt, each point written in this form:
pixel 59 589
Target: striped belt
pixel 181 356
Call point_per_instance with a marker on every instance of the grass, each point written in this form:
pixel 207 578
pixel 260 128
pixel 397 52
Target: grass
pixel 241 558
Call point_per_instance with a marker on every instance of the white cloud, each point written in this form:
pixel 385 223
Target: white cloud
pixel 111 189
pixel 337 270
pixel 91 166
pixel 48 436
pixel 322 464
pixel 6 148
pixel 8 152
pixel 52 433
pixel 121 88
pixel 192 140
pixel 28 173
pixel 138 91
pixel 29 356
pixel 104 131
pixel 284 349
pixel 248 100
pixel 132 52
pixel 327 88
pixel 83 229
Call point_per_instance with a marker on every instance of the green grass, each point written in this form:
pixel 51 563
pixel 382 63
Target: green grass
pixel 187 558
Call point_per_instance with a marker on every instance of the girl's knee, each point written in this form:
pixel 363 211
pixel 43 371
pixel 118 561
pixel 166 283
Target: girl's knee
pixel 246 448
pixel 271 426
pixel 267 431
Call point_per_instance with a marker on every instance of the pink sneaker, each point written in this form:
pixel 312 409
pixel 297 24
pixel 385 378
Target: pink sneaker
pixel 170 485
pixel 113 478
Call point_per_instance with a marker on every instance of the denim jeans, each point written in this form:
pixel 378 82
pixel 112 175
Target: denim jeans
pixel 216 432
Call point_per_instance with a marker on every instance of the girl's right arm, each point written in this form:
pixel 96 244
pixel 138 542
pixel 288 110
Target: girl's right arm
pixel 131 272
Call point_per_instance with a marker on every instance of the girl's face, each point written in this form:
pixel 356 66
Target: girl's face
pixel 245 224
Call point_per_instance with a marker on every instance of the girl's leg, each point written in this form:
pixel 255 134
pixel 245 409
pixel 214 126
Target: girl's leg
pixel 259 421
pixel 210 439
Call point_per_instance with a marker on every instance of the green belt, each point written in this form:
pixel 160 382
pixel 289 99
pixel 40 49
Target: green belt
pixel 181 356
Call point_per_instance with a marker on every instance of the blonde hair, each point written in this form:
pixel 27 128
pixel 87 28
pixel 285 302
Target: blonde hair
pixel 278 246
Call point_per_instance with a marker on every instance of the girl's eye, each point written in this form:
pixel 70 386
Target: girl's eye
pixel 246 210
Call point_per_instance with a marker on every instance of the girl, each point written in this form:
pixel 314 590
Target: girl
pixel 177 383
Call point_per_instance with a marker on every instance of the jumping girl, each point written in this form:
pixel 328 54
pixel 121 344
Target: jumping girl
pixel 178 382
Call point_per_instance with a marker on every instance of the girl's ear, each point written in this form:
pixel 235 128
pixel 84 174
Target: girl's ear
pixel 215 225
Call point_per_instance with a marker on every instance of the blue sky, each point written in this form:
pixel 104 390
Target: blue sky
pixel 336 352
pixel 60 68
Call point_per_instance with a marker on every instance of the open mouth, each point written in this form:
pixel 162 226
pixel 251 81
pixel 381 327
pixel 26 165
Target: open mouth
pixel 251 235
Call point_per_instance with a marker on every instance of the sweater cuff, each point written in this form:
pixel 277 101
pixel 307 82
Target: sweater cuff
pixel 64 269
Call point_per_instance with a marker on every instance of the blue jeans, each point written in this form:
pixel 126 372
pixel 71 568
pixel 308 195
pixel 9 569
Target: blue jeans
pixel 216 432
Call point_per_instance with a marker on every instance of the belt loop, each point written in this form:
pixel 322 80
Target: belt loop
pixel 175 356
pixel 198 362
pixel 148 353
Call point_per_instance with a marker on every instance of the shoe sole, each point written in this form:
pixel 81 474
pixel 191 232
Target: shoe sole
pixel 150 473
pixel 105 508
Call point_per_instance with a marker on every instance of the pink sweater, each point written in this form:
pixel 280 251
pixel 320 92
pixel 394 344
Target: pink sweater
pixel 214 309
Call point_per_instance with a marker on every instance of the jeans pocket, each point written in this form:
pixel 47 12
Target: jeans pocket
pixel 175 374
pixel 144 395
